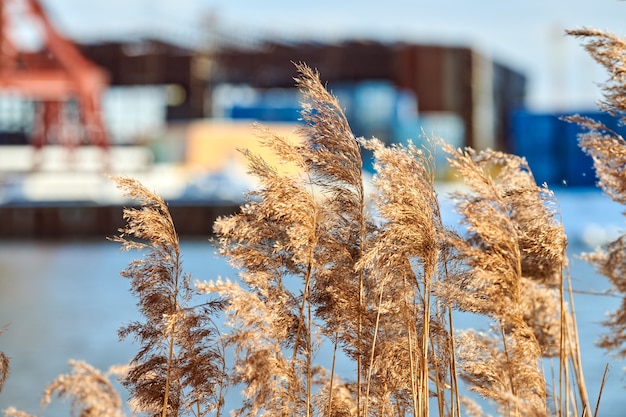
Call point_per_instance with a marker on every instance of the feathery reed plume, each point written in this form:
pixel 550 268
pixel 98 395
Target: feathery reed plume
pixel 272 241
pixel 610 261
pixel 90 390
pixel 333 158
pixel 178 369
pixel 334 398
pixel 472 408
pixel 4 367
pixel 334 162
pixel 259 335
pixel 315 269
pixel 609 51
pixel 14 412
pixel 306 232
pixel 541 307
pixel 402 262
pixel 491 281
pixel 488 367
pixel 608 151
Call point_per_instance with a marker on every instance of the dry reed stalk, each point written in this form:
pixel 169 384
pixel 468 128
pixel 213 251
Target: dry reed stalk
pixel 4 366
pixel 4 369
pixel 90 391
pixel 609 51
pixel 472 408
pixel 272 381
pixel 455 399
pixel 606 370
pixel 356 277
pixel 402 263
pixel 502 186
pixel 13 412
pixel 334 162
pixel 513 238
pixel 270 240
pixel 305 230
pixel 315 228
pixel 334 392
pixel 608 151
pixel 315 265
pixel 333 159
pixel 573 355
pixel 178 369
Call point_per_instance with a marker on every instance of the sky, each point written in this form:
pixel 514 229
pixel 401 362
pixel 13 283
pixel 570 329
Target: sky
pixel 527 35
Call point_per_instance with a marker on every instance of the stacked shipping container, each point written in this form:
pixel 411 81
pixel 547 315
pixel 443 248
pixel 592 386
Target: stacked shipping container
pixel 550 145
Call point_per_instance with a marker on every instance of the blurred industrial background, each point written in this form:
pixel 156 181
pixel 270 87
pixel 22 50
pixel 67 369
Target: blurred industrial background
pixel 173 114
pixel 166 91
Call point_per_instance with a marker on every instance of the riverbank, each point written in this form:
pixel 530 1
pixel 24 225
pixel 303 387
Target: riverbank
pixel 61 220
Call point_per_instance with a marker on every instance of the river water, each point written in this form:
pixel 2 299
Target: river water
pixel 66 300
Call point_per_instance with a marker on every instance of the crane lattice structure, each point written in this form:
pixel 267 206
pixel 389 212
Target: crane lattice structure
pixel 65 87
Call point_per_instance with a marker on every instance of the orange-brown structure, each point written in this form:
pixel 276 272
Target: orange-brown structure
pixel 57 77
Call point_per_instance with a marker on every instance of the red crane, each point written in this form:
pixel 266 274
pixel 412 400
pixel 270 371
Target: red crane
pixel 56 77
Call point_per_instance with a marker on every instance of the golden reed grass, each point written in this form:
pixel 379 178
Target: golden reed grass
pixel 4 367
pixel 327 274
pixel 608 151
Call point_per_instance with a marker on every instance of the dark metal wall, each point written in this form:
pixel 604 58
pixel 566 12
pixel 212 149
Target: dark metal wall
pixel 442 78
pixel 88 220
pixel 154 63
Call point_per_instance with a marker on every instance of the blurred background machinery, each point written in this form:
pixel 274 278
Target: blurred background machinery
pixel 47 72
pixel 173 112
